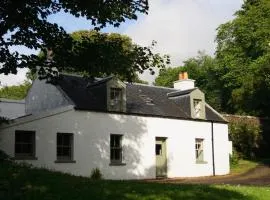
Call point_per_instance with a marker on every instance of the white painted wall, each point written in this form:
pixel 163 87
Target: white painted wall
pixel 91 144
pixel 184 84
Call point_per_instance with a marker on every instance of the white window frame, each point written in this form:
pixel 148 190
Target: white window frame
pixel 199 150
pixel 116 97
pixel 197 105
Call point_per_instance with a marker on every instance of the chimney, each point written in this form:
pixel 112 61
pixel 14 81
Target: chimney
pixel 184 83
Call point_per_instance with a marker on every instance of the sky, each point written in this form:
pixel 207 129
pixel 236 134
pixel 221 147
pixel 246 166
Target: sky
pixel 180 27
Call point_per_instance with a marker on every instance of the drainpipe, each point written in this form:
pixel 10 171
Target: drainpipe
pixel 213 148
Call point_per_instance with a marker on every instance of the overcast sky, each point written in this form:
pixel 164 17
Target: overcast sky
pixel 181 28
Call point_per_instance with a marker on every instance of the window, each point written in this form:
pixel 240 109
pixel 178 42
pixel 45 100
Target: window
pixel 199 150
pixel 24 144
pixel 116 98
pixel 197 103
pixel 64 146
pixel 116 149
pixel 158 149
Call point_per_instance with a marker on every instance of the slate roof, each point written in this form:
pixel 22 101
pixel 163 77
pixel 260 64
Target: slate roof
pixel 179 93
pixel 140 99
pixel 12 101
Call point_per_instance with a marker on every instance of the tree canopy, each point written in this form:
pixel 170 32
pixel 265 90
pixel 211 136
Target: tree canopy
pixel 237 79
pixel 243 53
pixel 15 91
pixel 97 54
pixel 201 68
pixel 25 23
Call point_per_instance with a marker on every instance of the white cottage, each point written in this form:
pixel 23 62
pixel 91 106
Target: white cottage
pixel 128 131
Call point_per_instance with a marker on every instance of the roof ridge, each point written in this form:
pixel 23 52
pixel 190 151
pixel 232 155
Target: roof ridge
pixel 153 86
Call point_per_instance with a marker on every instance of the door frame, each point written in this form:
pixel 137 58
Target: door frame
pixel 164 142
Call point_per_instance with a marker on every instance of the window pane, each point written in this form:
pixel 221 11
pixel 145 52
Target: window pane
pixel 66 140
pixel 24 143
pixel 18 148
pixel 116 148
pixel 158 149
pixel 59 151
pixel 116 93
pixel 59 139
pixel 199 149
pixel 64 146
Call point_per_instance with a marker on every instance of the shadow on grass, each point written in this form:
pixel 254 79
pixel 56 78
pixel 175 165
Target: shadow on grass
pixel 24 183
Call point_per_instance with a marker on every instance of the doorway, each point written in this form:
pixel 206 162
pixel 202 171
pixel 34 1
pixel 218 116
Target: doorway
pixel 161 157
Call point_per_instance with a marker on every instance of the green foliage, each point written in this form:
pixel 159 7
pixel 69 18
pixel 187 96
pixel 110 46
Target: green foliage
pixel 243 54
pixel 20 182
pixel 26 23
pixel 234 158
pixel 203 69
pixel 237 79
pixel 4 120
pixel 15 92
pixel 99 54
pixel 3 156
pixel 167 76
pixel 96 174
pixel 241 166
pixel 245 136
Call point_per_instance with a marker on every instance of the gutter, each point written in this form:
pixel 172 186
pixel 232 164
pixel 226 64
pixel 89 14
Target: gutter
pixel 213 148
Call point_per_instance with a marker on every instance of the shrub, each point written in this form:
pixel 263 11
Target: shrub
pixel 3 156
pixel 96 174
pixel 234 158
pixel 245 133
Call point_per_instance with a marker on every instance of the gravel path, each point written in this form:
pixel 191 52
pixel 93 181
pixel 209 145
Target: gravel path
pixel 258 176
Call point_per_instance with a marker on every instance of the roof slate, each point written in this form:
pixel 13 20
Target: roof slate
pixel 140 99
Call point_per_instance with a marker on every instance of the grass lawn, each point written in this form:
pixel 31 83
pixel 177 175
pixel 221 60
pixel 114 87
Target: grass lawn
pixel 243 166
pixel 18 182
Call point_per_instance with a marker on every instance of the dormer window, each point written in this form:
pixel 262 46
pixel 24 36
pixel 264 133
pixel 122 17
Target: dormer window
pixel 116 99
pixel 197 103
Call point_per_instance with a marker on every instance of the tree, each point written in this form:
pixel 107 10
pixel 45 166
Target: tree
pixel 167 76
pixel 97 54
pixel 202 69
pixel 25 23
pixel 243 57
pixel 16 91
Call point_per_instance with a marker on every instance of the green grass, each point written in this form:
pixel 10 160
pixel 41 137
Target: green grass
pixel 243 166
pixel 21 182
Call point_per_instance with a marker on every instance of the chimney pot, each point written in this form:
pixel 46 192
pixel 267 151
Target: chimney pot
pixel 183 76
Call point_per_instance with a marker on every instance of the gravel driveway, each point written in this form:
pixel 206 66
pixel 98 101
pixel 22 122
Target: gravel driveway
pixel 257 176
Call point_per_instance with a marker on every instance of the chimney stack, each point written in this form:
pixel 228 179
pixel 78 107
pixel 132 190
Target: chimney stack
pixel 184 83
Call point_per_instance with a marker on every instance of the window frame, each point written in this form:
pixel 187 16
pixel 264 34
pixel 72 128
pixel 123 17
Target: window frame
pixel 199 102
pixel 69 158
pixel 199 150
pixel 116 103
pixel 115 148
pixel 25 156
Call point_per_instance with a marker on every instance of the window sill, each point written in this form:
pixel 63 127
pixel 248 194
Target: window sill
pixel 117 164
pixel 25 158
pixel 201 162
pixel 65 161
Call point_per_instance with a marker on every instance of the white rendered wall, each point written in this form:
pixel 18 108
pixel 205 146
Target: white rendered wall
pixel 91 144
pixel 184 84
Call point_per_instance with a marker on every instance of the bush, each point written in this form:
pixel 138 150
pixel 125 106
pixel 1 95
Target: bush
pixel 234 158
pixel 246 136
pixel 96 174
pixel 3 156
